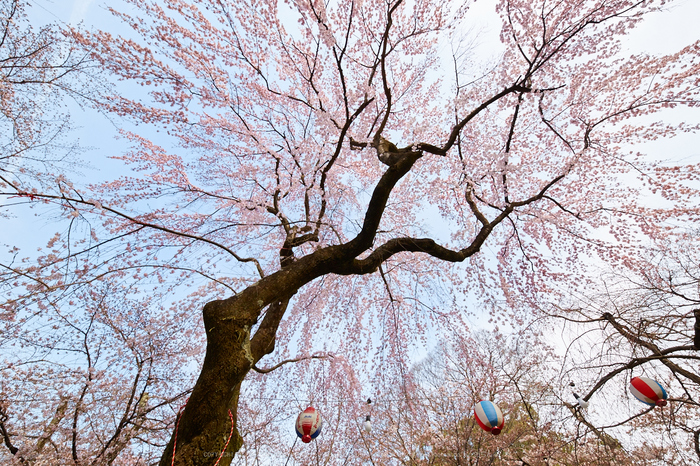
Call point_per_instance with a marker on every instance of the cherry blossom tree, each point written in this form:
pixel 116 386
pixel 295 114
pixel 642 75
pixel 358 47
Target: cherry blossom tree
pixel 648 324
pixel 38 70
pixel 329 183
pixel 51 379
pixel 521 375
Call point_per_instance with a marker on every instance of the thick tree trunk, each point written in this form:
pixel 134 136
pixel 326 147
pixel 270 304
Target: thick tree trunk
pixel 206 432
pixel 206 429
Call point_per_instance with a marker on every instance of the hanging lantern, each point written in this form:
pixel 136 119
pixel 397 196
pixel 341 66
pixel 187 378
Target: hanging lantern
pixel 367 424
pixel 648 391
pixel 581 402
pixel 489 417
pixel 308 424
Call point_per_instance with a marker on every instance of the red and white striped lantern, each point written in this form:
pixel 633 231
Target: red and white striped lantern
pixel 648 391
pixel 308 424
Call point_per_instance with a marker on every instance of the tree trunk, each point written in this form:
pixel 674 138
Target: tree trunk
pixel 206 430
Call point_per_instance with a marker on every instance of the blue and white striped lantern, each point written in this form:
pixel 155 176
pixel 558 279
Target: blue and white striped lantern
pixel 489 417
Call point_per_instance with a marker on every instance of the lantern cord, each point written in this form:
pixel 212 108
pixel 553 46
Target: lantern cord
pixel 227 441
pixel 177 425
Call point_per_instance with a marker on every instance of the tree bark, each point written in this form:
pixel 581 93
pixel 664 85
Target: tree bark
pixel 205 432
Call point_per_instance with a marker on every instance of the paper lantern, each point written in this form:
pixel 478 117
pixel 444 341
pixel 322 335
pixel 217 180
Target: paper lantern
pixel 581 402
pixel 648 391
pixel 308 424
pixel 489 417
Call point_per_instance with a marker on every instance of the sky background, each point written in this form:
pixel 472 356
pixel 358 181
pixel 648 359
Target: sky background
pixel 664 32
pixel 661 33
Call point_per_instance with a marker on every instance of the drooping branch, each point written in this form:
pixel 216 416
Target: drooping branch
pixel 287 361
pixel 136 221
